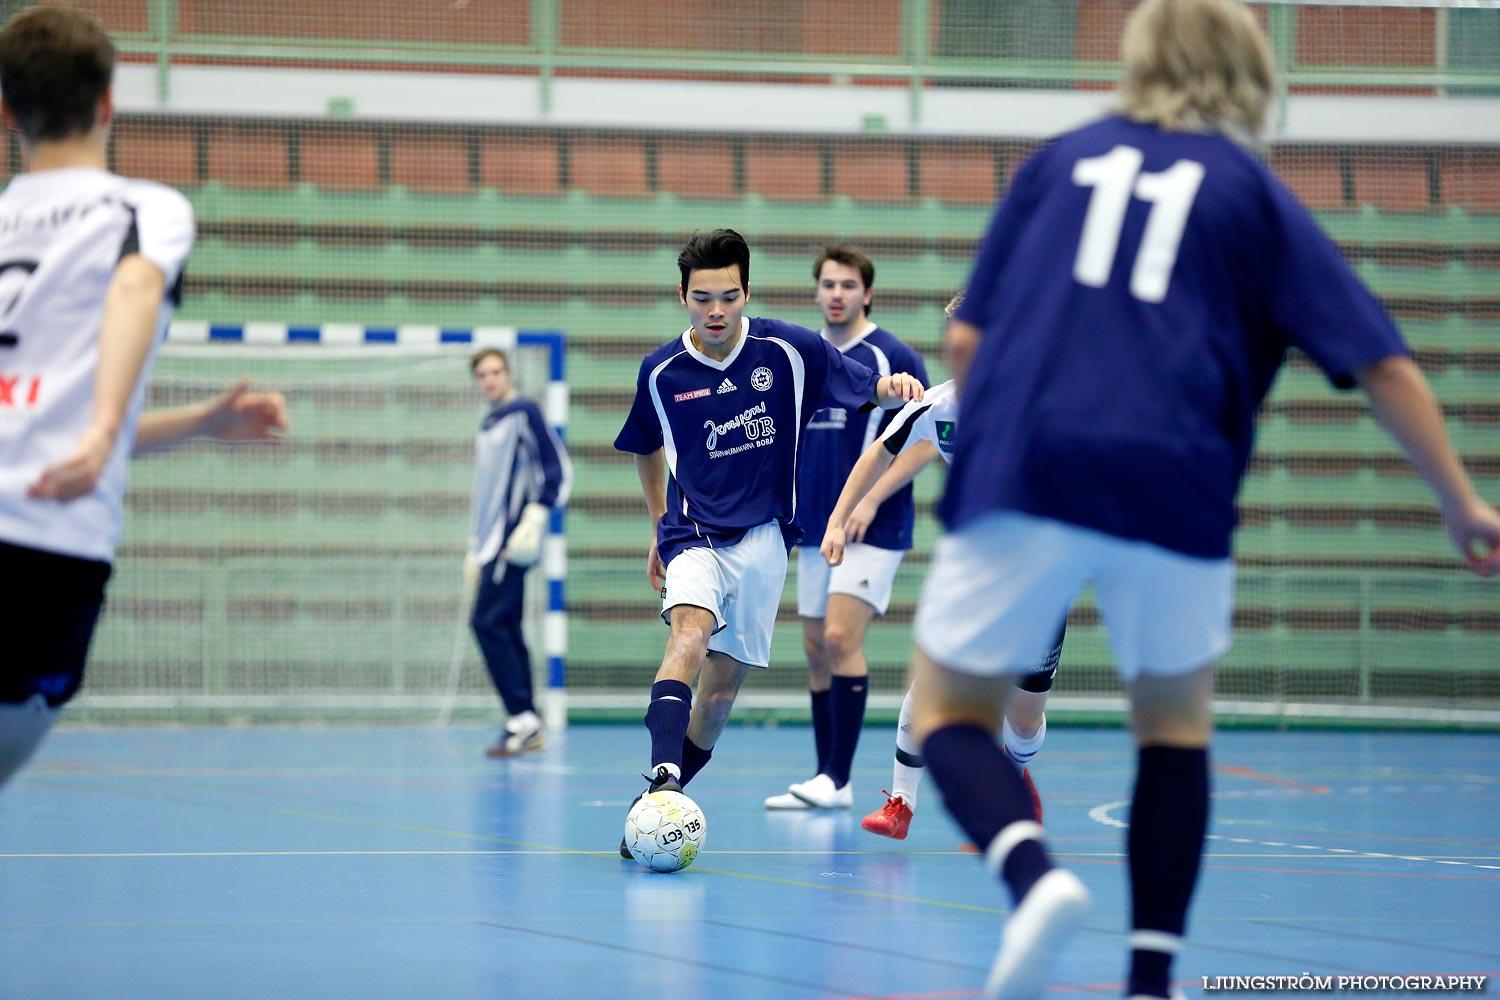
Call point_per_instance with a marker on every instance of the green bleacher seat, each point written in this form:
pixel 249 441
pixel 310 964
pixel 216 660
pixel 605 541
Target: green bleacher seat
pixel 1343 567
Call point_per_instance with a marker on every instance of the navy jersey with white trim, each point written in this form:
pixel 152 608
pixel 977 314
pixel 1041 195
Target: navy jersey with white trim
pixel 518 459
pixel 731 430
pixel 1136 293
pixel 836 437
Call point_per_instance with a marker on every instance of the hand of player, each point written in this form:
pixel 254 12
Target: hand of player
pixel 833 545
pixel 241 415
pixel 78 474
pixel 904 387
pixel 471 571
pixel 859 521
pixel 1475 530
pixel 523 547
pixel 655 572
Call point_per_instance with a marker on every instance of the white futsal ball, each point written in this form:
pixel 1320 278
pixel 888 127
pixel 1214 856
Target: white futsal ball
pixel 664 831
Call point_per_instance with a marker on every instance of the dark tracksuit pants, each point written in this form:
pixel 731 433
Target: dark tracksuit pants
pixel 497 626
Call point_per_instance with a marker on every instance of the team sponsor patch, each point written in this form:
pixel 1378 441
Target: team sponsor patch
pixel 683 397
pixel 945 436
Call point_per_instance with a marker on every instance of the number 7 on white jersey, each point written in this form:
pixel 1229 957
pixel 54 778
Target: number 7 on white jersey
pixel 1115 176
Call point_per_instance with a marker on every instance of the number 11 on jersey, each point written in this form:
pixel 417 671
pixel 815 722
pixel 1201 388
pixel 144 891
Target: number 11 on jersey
pixel 1115 177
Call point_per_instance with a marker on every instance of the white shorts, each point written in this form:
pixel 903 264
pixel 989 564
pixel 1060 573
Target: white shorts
pixel 741 584
pixel 998 589
pixel 867 572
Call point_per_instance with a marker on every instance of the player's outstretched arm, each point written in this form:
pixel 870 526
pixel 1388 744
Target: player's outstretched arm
pixel 1404 405
pixel 897 390
pixel 875 460
pixel 236 414
pixel 902 471
pixel 129 322
pixel 652 471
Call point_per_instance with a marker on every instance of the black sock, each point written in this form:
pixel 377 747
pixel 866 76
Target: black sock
pixel 822 720
pixel 667 721
pixel 984 794
pixel 846 702
pixel 694 759
pixel 1168 822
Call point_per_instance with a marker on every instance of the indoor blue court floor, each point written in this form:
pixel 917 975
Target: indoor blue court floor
pixel 399 862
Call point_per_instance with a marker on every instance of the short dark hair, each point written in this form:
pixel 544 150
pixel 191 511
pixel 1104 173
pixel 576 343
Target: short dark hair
pixel 714 250
pixel 842 253
pixel 488 352
pixel 55 65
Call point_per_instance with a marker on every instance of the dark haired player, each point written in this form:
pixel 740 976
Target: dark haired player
pixel 716 425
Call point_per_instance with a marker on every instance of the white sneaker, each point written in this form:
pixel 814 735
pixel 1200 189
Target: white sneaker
pixel 819 793
pixel 1034 935
pixel 786 800
pixel 519 738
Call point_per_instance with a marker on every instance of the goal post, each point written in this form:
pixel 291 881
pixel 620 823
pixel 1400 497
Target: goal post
pixel 319 579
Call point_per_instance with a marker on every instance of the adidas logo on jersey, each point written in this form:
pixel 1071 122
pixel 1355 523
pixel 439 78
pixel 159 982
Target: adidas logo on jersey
pixel 726 386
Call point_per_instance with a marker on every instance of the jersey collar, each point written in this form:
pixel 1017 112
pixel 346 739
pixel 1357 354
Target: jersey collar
pixel 857 338
pixel 687 343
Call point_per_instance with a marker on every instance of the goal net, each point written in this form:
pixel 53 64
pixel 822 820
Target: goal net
pixel 319 578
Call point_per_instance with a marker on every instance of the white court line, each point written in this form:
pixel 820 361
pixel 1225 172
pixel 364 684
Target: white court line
pixel 1102 814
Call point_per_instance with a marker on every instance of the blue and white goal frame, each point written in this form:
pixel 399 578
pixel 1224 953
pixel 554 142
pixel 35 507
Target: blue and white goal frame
pixel 505 338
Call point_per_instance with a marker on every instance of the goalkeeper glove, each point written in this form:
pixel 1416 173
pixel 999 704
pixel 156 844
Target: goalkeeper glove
pixel 524 546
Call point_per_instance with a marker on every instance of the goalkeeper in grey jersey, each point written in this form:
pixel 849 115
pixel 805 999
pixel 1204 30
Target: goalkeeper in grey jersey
pixel 521 472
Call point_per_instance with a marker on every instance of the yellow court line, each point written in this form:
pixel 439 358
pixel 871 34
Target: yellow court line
pixel 536 851
pixel 553 852
pixel 550 849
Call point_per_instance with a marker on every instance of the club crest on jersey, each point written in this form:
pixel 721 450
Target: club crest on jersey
pixel 726 386
pixel 683 397
pixel 760 379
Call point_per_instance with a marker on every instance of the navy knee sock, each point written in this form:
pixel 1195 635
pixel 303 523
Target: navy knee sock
pixel 985 795
pixel 822 721
pixel 667 721
pixel 1168 823
pixel 846 702
pixel 694 759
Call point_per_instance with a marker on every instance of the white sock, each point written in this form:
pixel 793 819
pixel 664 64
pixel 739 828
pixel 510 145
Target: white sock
pixel 1020 751
pixel 906 778
pixel 21 730
pixel 672 769
pixel 523 723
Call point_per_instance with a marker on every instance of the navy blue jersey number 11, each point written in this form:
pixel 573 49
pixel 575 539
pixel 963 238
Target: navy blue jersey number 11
pixel 1116 177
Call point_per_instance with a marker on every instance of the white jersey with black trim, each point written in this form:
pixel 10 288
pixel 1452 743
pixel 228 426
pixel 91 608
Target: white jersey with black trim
pixel 62 233
pixel 933 418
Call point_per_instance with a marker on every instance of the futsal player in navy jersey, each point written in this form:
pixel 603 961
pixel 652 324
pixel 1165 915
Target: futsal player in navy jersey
pixel 716 428
pixel 1128 309
pixel 91 272
pixel 837 603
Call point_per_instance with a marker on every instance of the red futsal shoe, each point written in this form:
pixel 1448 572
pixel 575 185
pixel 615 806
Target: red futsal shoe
pixel 891 820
